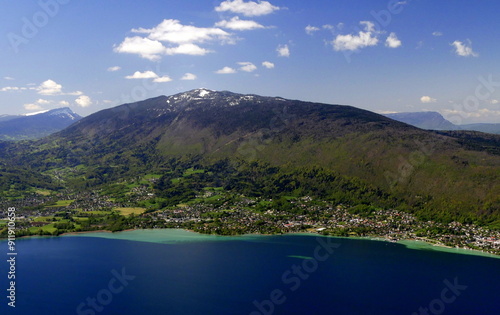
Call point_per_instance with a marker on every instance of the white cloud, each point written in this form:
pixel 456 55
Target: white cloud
pixel 64 103
pixel 149 75
pixel 494 102
pixel 144 47
pixel 249 8
pixel 32 107
pixel 49 87
pixel 365 38
pixel 163 79
pixel 12 88
pixel 73 93
pixel 268 64
pixel 239 25
pixel 173 31
pixel 189 77
pixel 392 41
pixel 180 39
pixel 283 51
pixel 427 99
pixel 310 30
pixel 247 66
pixel 113 69
pixel 37 105
pixel 437 34
pixel 83 101
pixel 142 75
pixel 8 78
pixel 42 102
pixel 226 70
pixel 187 49
pixel 369 26
pixel 464 50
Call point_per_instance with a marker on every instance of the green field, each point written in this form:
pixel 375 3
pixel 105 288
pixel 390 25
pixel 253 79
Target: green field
pixel 61 203
pixel 128 211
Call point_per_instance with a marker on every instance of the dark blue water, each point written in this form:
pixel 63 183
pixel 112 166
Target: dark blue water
pixel 57 275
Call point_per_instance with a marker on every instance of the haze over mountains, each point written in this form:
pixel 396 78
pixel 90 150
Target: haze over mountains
pixel 435 121
pixel 35 126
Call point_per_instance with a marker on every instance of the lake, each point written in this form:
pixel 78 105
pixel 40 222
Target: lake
pixel 179 272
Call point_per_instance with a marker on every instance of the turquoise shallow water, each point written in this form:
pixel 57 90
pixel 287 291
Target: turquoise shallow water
pixel 179 272
pixel 173 236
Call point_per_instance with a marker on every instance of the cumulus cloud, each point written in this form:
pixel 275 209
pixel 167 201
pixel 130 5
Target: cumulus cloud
pixel 268 64
pixel 32 107
pixel 170 37
pixel 427 99
pixel 149 75
pixel 37 105
pixel 310 30
pixel 187 49
pixel 113 69
pixel 42 102
pixel 247 66
pixel 189 77
pixel 83 101
pixel 463 49
pixel 173 31
pixel 49 87
pixel 365 38
pixel 249 8
pixel 144 47
pixel 163 79
pixel 64 103
pixel 283 51
pixel 226 70
pixel 142 75
pixel 392 41
pixel 239 25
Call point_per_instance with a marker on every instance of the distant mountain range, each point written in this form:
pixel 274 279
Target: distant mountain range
pixel 435 121
pixel 37 125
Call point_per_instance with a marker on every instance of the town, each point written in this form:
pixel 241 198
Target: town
pixel 223 213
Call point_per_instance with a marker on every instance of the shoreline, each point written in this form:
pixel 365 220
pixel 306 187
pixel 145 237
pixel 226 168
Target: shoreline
pixel 415 244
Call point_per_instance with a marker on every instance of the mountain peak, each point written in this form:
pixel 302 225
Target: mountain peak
pixel 64 112
pixel 37 125
pixel 425 120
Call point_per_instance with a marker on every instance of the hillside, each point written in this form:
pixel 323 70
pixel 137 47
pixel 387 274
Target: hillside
pixel 440 174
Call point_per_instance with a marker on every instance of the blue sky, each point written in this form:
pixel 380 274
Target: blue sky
pixel 384 56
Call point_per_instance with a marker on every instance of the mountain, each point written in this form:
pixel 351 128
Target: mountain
pixel 435 121
pixel 34 126
pixel 424 120
pixel 446 174
pixel 488 128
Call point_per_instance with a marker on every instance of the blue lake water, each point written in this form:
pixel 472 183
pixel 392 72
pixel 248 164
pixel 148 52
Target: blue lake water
pixel 177 272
